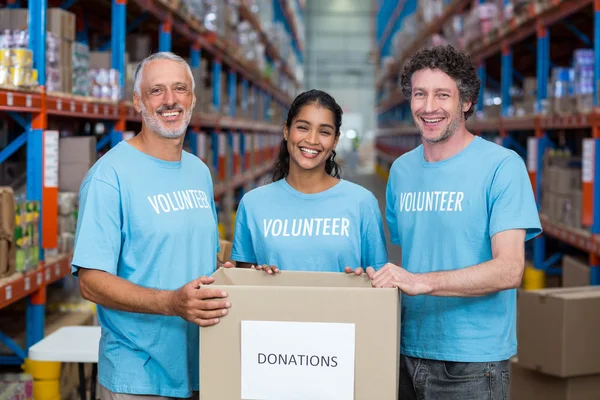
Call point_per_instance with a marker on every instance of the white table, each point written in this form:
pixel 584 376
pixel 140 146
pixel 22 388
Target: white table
pixel 77 344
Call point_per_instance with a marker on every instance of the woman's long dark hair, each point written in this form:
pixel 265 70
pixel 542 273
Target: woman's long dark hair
pixel 282 164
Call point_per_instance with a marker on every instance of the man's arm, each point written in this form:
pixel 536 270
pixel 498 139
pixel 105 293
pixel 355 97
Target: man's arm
pixel 192 302
pixel 504 271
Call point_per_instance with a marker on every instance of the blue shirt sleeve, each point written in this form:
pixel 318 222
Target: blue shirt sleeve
pixel 98 236
pixel 373 246
pixel 512 203
pixel 243 248
pixel 390 210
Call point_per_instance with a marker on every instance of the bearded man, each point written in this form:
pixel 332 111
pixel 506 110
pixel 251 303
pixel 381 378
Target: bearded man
pixel 146 243
pixel 461 208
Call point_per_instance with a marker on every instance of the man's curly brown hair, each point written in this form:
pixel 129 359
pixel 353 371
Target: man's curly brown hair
pixel 451 61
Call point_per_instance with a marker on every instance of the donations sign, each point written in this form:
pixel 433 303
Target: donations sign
pixel 297 360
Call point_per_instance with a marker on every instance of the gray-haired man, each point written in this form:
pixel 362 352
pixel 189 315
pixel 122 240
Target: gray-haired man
pixel 147 240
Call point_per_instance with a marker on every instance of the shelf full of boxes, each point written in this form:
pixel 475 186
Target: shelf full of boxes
pixel 539 64
pixel 69 101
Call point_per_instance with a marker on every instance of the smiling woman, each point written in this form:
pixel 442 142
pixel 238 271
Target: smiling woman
pixel 309 219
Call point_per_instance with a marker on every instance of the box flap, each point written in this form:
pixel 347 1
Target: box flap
pixel 249 277
pixel 565 293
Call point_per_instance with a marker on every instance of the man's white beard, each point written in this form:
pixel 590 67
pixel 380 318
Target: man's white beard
pixel 152 122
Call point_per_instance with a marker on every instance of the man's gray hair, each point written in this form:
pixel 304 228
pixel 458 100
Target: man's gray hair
pixel 163 55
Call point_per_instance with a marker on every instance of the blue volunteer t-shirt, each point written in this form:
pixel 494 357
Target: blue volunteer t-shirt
pixel 153 223
pixel 444 215
pixel 328 231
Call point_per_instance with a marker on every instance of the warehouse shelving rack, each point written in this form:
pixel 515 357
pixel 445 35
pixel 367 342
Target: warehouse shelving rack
pixel 395 139
pixel 229 133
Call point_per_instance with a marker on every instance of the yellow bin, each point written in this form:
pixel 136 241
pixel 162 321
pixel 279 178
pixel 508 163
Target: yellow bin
pixel 533 278
pixel 46 390
pixel 42 370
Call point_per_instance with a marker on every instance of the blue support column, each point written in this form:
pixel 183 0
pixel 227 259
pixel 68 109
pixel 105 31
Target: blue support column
pixel 596 51
pixel 482 75
pixel 543 65
pixel 164 35
pixel 195 55
pixel 506 81
pixel 214 136
pixel 217 85
pixel 244 97
pixel 256 97
pixel 118 38
pixel 232 89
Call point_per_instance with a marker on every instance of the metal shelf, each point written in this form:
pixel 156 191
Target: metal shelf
pixel 292 24
pixel 578 238
pixel 516 31
pixel 435 26
pixel 18 286
pixel 219 47
pixel 272 52
pixel 241 180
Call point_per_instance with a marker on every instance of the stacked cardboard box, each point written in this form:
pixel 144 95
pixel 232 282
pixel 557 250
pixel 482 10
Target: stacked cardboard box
pixel 76 156
pixel 575 272
pixel 562 189
pixel 558 355
pixel 525 103
pixel 7 227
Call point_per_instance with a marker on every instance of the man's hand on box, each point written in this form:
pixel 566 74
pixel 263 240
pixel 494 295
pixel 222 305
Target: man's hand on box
pixel 269 269
pixel 199 304
pixel 393 276
pixel 359 271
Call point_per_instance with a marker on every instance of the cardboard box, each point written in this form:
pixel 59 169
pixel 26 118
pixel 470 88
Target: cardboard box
pixel 70 176
pixel 77 149
pixel 7 231
pixel 531 385
pixel 225 253
pixel 558 329
pixel 575 272
pixel 292 297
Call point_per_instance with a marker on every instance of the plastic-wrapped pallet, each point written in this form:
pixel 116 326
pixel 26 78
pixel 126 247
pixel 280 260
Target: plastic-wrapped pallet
pixel 562 82
pixel 81 68
pixel 583 63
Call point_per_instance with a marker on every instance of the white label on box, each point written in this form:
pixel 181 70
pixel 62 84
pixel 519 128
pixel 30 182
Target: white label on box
pixel 222 145
pixel 201 146
pixel 532 154
pixel 297 360
pixel 28 100
pixel 9 99
pixel 587 170
pixel 51 151
pixel 236 143
pixel 27 283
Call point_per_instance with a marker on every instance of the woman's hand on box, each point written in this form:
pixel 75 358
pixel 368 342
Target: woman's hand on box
pixel 359 271
pixel 269 269
pixel 198 303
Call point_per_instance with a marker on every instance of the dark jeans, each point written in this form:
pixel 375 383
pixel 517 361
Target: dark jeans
pixel 422 379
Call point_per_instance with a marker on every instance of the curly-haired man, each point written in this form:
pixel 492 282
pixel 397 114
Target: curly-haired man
pixel 461 208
